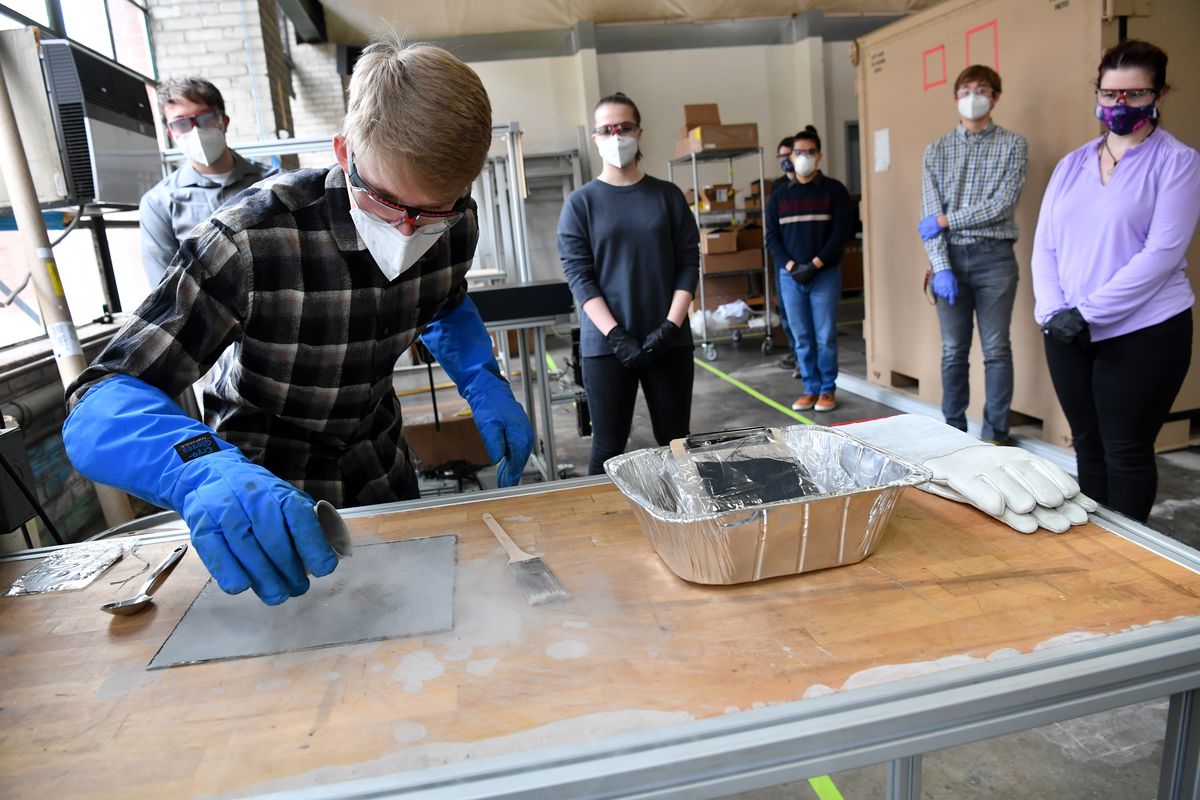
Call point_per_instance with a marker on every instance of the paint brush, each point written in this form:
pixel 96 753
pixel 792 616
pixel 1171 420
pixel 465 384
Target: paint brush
pixel 533 576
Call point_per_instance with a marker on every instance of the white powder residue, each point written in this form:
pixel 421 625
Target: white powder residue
pixel 732 709
pixel 1067 638
pixel 277 684
pixel 482 666
pixel 818 690
pixel 566 649
pixel 577 623
pixel 895 672
pixel 407 732
pixel 458 652
pixel 123 680
pixel 1003 653
pixel 416 668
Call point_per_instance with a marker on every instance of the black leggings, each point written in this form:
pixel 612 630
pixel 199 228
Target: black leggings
pixel 612 391
pixel 1117 394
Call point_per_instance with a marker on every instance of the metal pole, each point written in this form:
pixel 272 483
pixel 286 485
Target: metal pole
pixel 703 310
pixel 543 371
pixel 68 353
pixel 768 270
pixel 104 255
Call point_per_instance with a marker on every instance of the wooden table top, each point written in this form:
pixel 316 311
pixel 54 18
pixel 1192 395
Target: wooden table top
pixel 635 648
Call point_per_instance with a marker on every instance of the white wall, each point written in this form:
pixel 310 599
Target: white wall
pixel 782 88
pixel 544 94
pixel 841 106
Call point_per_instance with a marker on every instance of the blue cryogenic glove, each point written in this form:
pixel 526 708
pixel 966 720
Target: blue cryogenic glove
pixel 251 529
pixel 462 346
pixel 929 228
pixel 945 285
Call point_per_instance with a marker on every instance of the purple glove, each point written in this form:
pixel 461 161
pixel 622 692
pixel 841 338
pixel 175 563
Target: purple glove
pixel 945 285
pixel 929 228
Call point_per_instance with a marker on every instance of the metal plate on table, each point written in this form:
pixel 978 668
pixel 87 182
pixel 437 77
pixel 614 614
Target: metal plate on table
pixel 386 591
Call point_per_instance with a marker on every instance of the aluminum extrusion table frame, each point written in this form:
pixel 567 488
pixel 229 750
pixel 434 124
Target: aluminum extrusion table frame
pixel 892 722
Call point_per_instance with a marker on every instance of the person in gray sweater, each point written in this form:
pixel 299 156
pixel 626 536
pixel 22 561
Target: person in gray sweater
pixel 630 251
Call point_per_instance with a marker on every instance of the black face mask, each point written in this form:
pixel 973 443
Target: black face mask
pixel 786 165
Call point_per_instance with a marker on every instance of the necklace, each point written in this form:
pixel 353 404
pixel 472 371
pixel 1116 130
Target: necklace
pixel 1114 158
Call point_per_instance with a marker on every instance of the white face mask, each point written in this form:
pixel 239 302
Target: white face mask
pixel 392 250
pixel 202 145
pixel 805 165
pixel 617 150
pixel 974 106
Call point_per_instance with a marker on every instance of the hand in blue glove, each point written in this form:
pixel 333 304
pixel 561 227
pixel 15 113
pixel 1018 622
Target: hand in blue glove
pixel 251 529
pixel 945 285
pixel 929 228
pixel 460 343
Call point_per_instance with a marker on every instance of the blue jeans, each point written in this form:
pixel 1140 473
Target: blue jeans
pixel 987 285
pixel 812 317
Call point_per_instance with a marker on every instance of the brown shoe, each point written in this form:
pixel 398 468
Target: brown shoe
pixel 804 402
pixel 826 402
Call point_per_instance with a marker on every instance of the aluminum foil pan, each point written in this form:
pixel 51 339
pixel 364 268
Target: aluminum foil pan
pixel 757 503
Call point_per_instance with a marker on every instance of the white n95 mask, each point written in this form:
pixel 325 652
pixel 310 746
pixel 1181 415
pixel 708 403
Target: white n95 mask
pixel 805 165
pixel 617 150
pixel 202 145
pixel 974 106
pixel 392 250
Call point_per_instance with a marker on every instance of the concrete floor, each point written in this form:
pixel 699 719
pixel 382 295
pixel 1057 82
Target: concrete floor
pixel 1109 755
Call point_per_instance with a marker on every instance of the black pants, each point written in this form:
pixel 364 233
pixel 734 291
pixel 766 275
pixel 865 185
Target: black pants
pixel 612 391
pixel 1116 395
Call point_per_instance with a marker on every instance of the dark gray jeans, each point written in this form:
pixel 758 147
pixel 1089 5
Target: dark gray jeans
pixel 987 285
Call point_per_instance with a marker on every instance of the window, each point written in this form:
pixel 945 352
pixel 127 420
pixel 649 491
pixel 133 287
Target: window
pixel 116 29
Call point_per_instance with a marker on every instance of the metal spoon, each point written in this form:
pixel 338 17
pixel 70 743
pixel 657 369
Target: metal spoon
pixel 336 532
pixel 142 598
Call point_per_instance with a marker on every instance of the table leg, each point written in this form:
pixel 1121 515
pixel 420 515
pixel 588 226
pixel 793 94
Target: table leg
pixel 904 779
pixel 1180 778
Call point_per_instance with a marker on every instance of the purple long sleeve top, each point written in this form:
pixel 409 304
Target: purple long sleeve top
pixel 1116 251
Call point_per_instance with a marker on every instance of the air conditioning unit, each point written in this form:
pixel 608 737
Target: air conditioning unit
pixel 87 123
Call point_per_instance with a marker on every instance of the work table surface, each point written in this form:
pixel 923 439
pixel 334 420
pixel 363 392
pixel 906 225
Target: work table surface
pixel 635 648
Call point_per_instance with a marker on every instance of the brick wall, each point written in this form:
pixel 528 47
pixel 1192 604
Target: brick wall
pixel 320 101
pixel 236 45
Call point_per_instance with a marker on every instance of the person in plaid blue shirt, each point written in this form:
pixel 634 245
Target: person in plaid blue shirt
pixel 304 292
pixel 970 185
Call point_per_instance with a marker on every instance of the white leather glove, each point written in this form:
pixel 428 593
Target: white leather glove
pixel 1022 490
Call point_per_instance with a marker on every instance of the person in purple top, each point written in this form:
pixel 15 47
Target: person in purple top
pixel 1109 279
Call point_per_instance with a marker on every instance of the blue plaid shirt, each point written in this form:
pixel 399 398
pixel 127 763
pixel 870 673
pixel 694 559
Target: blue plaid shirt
pixel 975 179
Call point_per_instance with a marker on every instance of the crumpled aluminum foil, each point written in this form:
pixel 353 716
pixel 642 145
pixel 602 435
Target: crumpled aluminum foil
pixel 747 505
pixel 73 567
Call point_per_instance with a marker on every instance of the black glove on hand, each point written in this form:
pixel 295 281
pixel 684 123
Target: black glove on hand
pixel 659 340
pixel 627 349
pixel 1068 327
pixel 803 272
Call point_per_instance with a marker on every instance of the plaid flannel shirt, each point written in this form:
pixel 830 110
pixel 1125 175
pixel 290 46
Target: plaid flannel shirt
pixel 975 179
pixel 279 292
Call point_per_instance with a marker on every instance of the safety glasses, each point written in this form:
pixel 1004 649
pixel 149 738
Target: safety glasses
pixel 205 119
pixel 1131 97
pixel 619 128
pixel 396 214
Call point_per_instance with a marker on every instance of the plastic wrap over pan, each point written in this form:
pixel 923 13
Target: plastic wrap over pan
pixel 754 503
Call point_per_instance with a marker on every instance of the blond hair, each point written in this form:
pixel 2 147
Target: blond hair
pixel 419 104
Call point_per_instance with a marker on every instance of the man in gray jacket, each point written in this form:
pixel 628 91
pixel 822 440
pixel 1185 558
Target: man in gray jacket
pixel 194 114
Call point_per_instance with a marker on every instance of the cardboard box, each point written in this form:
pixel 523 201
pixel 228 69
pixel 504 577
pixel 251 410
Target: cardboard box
pixel 718 240
pixel 750 237
pixel 754 201
pixel 715 138
pixel 757 186
pixel 738 261
pixel 718 197
pixel 454 438
pixel 702 114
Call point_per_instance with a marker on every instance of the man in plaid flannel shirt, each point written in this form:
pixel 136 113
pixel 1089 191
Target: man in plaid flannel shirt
pixel 970 185
pixel 304 292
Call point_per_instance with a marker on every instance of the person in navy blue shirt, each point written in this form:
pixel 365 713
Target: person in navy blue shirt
pixel 807 224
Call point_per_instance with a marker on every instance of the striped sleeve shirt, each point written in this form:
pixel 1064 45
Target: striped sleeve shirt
pixel 280 293
pixel 975 179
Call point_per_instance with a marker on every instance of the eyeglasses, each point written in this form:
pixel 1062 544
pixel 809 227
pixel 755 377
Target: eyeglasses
pixel 967 91
pixel 622 128
pixel 205 119
pixel 1130 97
pixel 396 214
pixel 806 152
